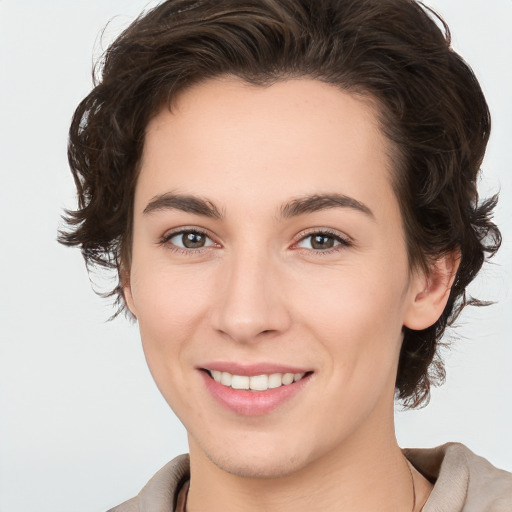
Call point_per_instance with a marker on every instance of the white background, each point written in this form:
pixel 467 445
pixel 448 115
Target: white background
pixel 82 426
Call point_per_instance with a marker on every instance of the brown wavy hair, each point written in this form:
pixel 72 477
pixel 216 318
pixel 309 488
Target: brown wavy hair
pixel 395 52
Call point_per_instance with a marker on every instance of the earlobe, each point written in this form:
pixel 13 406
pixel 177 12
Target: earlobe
pixel 430 293
pixel 127 292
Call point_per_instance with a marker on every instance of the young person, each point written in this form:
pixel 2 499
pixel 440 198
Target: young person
pixel 287 191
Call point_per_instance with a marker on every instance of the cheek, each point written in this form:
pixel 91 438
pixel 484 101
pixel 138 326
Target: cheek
pixel 169 303
pixel 358 315
pixel 169 306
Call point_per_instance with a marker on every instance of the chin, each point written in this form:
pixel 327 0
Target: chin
pixel 263 466
pixel 261 460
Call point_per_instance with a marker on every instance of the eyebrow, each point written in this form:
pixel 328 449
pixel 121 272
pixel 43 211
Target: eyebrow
pixel 184 203
pixel 293 208
pixel 318 202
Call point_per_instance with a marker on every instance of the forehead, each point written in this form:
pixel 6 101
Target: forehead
pixel 244 144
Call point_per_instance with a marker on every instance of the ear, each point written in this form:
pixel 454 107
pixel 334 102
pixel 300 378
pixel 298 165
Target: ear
pixel 429 293
pixel 127 291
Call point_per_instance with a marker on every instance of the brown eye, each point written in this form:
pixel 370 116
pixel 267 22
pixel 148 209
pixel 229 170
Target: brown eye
pixel 190 240
pixel 322 241
pixel 193 240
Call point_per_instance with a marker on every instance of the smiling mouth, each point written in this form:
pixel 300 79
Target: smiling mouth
pixel 261 382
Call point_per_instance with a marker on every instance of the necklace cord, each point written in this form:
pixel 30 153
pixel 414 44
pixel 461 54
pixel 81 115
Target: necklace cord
pixel 413 486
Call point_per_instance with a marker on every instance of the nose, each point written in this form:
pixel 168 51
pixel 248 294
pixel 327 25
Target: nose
pixel 252 303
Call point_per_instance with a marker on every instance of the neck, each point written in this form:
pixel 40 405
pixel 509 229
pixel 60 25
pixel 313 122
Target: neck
pixel 365 473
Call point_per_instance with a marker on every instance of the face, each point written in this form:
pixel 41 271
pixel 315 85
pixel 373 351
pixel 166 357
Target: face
pixel 268 253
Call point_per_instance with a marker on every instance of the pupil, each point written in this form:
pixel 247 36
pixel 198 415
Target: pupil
pixel 193 240
pixel 322 242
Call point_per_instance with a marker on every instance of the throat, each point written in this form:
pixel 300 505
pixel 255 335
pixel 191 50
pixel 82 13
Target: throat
pixel 330 483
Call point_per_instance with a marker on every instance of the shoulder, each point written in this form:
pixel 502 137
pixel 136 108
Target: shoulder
pixel 160 492
pixel 464 482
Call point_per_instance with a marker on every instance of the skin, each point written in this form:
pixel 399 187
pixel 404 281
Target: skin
pixel 258 291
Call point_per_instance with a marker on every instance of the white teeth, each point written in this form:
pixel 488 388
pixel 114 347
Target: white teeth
pixel 287 379
pixel 275 380
pixel 259 382
pixel 240 382
pixel 255 382
pixel 226 378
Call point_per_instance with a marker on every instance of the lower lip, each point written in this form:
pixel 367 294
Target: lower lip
pixel 252 403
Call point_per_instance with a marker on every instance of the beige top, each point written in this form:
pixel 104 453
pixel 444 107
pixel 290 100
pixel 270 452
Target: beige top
pixel 464 482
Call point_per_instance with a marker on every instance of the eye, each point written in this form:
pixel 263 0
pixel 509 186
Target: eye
pixel 322 241
pixel 189 239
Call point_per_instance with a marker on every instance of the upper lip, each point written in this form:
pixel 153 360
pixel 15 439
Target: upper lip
pixel 252 369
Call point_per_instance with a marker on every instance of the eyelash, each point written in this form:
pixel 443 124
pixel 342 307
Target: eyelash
pixel 166 240
pixel 343 242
